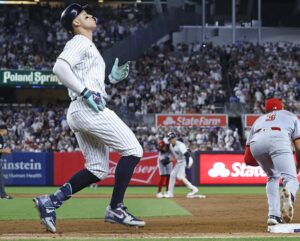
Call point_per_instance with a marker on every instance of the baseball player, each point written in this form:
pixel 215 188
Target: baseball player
pixel 81 68
pixel 183 160
pixel 270 145
pixel 165 166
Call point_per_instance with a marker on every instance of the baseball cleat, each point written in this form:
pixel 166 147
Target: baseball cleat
pixel 159 195
pixel 193 191
pixel 287 209
pixel 169 195
pixel 196 196
pixel 120 215
pixel 46 211
pixel 274 220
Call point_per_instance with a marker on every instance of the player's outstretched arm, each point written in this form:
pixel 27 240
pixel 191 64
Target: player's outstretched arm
pixel 118 73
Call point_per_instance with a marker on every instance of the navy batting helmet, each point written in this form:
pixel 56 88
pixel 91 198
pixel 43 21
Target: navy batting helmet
pixel 171 135
pixel 69 14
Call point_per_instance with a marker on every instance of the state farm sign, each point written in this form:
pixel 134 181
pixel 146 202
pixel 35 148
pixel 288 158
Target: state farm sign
pixel 228 169
pixel 251 118
pixel 191 120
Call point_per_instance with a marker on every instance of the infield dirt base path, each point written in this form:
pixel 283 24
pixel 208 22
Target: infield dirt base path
pixel 244 215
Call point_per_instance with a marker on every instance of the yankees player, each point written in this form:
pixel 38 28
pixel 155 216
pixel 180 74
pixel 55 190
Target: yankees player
pixel 165 166
pixel 81 68
pixel 270 142
pixel 183 158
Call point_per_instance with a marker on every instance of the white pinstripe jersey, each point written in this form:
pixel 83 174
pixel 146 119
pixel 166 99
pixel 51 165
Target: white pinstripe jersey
pixel 86 62
pixel 178 150
pixel 285 120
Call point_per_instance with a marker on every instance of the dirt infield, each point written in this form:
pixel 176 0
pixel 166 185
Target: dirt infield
pixel 216 215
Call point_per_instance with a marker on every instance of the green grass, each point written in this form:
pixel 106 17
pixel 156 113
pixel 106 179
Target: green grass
pixel 23 208
pixel 144 190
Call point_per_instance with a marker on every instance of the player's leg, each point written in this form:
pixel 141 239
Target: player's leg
pixel 260 151
pixel 284 163
pixel 95 154
pixel 173 176
pixel 181 177
pixel 169 168
pixel 161 170
pixel 160 184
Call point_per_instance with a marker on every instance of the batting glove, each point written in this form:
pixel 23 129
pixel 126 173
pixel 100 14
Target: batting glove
pixel 94 100
pixel 118 73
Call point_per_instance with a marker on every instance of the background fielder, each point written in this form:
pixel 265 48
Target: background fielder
pixel 183 160
pixel 270 142
pixel 81 68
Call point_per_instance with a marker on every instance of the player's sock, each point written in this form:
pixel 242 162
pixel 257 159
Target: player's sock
pixel 123 174
pixel 167 182
pixel 77 182
pixel 160 184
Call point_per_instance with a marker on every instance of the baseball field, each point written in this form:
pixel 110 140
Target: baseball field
pixel 228 213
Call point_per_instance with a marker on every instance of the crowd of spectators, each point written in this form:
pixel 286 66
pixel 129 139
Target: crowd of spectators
pixel 173 79
pixel 43 128
pixel 32 37
pixel 261 71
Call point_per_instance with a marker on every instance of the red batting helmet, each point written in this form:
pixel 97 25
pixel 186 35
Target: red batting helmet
pixel 273 104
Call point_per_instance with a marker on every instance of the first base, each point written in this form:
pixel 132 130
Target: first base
pixel 196 196
pixel 285 228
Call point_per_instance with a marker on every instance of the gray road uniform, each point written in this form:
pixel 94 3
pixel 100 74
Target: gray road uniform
pixel 164 169
pixel 95 132
pixel 270 141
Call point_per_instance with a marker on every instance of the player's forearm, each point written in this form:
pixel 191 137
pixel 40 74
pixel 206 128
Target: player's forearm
pixel 65 74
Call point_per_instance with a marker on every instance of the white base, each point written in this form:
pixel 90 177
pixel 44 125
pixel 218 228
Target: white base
pixel 285 228
pixel 196 196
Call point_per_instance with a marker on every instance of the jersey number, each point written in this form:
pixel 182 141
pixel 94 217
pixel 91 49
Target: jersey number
pixel 271 116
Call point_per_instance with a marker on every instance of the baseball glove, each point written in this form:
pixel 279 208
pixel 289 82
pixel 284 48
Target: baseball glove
pixel 165 161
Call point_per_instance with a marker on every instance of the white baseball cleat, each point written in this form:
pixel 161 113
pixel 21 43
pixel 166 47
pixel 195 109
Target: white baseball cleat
pixel 160 195
pixel 287 209
pixel 193 191
pixel 169 195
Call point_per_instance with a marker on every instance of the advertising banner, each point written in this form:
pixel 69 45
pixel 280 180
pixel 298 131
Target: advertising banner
pixel 192 120
pixel 228 169
pixel 27 169
pixel 145 173
pixel 27 78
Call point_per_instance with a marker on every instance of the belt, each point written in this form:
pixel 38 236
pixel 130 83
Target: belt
pixel 272 128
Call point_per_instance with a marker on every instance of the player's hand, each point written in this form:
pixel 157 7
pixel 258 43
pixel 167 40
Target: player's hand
pixel 118 73
pixel 94 100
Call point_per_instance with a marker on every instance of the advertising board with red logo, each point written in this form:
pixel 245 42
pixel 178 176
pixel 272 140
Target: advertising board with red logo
pixel 249 119
pixel 228 169
pixel 191 120
pixel 67 164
